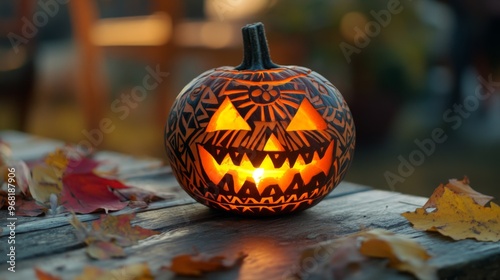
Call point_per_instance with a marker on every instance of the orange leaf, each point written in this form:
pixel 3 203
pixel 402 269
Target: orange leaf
pixel 139 271
pixel 459 187
pixel 57 159
pixel 42 275
pixel 196 265
pixel 459 217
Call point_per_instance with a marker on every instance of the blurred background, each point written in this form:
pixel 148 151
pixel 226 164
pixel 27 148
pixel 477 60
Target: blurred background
pixel 405 67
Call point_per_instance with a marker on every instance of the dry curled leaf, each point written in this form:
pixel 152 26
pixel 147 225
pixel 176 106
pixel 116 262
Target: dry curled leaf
pixel 459 217
pixel 139 271
pixel 337 259
pixel 47 180
pixel 403 253
pixel 458 187
pixel 364 255
pixel 197 265
pixel 102 250
pixel 107 236
pixel 29 208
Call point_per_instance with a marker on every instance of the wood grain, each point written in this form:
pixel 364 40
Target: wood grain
pixel 273 245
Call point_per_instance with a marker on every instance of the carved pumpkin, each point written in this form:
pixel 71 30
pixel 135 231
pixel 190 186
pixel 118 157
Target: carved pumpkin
pixel 259 138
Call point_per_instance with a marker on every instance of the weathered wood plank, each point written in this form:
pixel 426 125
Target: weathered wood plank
pixel 40 227
pixel 273 245
pixel 28 147
pixel 162 183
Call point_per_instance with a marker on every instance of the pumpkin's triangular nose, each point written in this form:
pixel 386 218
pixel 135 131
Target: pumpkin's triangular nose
pixel 273 145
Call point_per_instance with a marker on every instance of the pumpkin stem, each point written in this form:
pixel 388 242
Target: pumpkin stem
pixel 255 50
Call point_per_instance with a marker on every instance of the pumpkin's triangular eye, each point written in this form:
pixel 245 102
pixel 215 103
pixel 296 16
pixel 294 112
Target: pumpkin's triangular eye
pixel 227 118
pixel 307 118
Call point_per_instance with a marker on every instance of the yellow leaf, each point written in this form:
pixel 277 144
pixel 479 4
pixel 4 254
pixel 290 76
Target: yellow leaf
pixel 57 159
pixel 459 217
pixel 458 187
pixel 46 181
pixel 139 271
pixel 403 253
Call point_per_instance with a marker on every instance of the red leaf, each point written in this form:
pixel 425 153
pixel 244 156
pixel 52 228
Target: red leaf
pixel 81 165
pixel 28 208
pixel 85 193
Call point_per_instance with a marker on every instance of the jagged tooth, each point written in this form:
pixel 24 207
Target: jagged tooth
pixel 256 158
pixel 321 150
pixel 292 158
pixel 316 156
pixel 278 158
pixel 219 153
pixel 299 163
pixel 236 157
pixel 307 156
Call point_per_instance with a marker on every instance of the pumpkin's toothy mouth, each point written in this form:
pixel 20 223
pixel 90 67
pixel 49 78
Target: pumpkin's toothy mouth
pixel 265 168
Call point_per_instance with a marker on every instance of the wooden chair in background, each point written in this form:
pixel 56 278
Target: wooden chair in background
pixel 147 38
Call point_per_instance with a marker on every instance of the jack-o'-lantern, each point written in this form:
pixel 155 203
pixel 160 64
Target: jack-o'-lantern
pixel 259 138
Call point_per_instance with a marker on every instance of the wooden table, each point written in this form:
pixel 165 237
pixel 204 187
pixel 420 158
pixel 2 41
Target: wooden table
pixel 273 244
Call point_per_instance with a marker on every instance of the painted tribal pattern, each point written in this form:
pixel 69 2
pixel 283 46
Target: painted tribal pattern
pixel 264 108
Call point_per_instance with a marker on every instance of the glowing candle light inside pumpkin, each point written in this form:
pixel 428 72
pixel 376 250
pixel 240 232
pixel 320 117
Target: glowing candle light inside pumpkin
pixel 257 175
pixel 259 138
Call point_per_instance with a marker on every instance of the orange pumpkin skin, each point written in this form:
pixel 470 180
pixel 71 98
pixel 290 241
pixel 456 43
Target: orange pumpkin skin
pixel 260 141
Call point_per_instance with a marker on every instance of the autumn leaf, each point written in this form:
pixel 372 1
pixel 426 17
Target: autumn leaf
pixel 338 259
pixel 24 206
pixel 5 151
pixel 119 227
pixel 139 271
pixel 361 255
pixel 459 217
pixel 403 253
pixel 47 180
pixel 197 265
pixel 22 172
pixel 458 187
pixel 57 159
pixel 29 208
pixel 82 165
pixel 42 275
pixel 107 236
pixel 86 193
pixel 102 250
